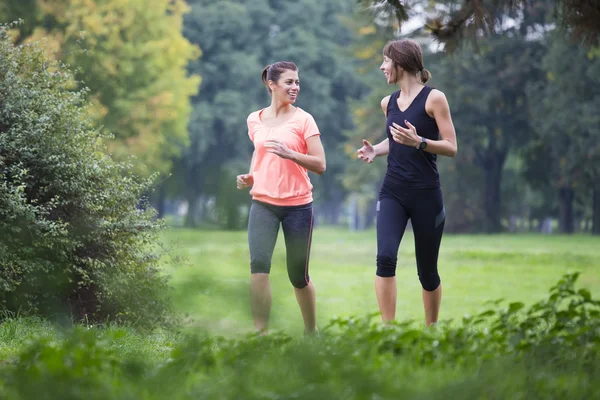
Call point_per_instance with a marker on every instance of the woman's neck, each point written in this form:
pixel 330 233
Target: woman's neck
pixel 278 108
pixel 410 85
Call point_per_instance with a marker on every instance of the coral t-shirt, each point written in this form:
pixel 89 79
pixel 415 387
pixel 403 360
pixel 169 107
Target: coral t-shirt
pixel 279 181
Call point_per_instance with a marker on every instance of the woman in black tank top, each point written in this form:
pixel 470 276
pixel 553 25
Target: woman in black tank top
pixel 418 129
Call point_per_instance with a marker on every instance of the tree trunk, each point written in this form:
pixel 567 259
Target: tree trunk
pixel 330 212
pixel 566 222
pixel 161 197
pixel 513 224
pixel 331 208
pixel 233 217
pixel 596 212
pixel 193 195
pixel 492 200
pixel 546 225
pixel 335 211
pixel 353 222
pixel 371 214
pixel 192 219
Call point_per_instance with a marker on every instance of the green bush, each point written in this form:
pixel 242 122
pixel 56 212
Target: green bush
pixel 75 239
pixel 566 324
pixel 549 350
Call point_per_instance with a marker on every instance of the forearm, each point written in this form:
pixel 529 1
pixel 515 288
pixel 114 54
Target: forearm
pixel 382 148
pixel 252 162
pixel 312 163
pixel 441 147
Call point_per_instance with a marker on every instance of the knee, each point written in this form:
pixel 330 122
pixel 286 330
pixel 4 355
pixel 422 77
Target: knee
pixel 386 265
pixel 259 266
pixel 299 281
pixel 430 281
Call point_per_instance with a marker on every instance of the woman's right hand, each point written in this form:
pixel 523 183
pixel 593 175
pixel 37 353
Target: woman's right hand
pixel 244 181
pixel 367 152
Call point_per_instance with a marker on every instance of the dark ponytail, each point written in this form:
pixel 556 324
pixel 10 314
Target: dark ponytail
pixel 265 81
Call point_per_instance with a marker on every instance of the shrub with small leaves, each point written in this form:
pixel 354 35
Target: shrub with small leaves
pixel 566 324
pixel 74 239
pixel 546 351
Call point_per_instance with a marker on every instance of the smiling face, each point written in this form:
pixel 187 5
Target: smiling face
pixel 387 67
pixel 287 87
pixel 400 58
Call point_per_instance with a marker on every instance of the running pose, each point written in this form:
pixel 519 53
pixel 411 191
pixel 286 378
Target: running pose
pixel 287 145
pixel 419 127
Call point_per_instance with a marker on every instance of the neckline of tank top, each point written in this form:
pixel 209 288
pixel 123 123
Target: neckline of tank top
pixel 413 100
pixel 281 123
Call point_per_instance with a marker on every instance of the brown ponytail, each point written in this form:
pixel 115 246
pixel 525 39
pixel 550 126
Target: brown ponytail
pixel 273 71
pixel 407 54
pixel 425 75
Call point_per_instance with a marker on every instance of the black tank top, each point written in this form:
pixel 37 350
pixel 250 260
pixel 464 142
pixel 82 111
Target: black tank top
pixel 408 166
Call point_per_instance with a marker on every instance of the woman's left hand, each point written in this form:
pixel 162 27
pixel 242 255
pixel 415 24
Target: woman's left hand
pixel 279 148
pixel 405 136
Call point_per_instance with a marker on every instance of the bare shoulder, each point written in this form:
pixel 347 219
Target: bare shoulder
pixel 437 97
pixel 436 101
pixel 384 103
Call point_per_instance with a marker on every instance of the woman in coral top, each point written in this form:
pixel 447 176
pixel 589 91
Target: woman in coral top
pixel 287 145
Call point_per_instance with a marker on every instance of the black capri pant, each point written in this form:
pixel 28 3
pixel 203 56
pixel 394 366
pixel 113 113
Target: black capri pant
pixel 425 209
pixel 263 228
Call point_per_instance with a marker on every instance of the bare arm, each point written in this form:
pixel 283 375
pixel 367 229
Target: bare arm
pixel 314 161
pixel 440 110
pixel 382 148
pixel 252 163
pixel 246 180
pixel 368 152
pixel 437 107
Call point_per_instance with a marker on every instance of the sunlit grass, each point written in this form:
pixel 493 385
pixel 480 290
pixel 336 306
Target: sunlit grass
pixel 211 288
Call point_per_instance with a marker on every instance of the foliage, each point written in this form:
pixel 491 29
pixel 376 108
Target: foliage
pixel 564 152
pixel 457 22
pixel 566 321
pixel 490 109
pixel 132 56
pixel 550 349
pixel 72 239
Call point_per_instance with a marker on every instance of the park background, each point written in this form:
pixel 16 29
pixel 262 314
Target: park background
pixel 168 86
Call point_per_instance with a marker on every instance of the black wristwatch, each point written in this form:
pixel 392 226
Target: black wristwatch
pixel 423 144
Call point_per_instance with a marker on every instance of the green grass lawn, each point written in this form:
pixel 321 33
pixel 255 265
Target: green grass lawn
pixel 211 286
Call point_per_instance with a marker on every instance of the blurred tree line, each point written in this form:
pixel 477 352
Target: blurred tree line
pixel 522 92
pixel 133 57
pixel 524 98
